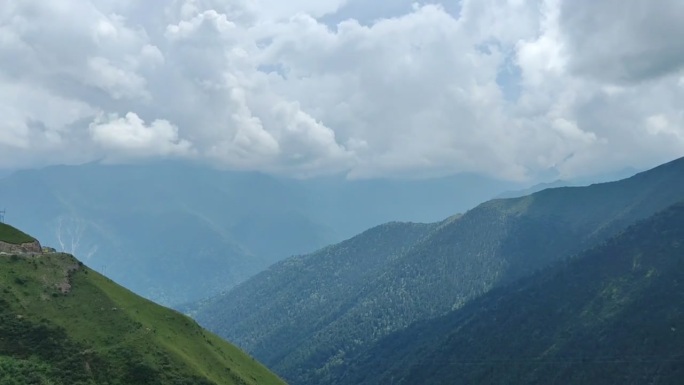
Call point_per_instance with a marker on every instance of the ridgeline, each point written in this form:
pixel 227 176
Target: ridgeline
pixel 62 323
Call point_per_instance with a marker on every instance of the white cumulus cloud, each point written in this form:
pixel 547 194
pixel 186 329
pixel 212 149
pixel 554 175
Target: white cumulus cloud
pixel 512 89
pixel 129 136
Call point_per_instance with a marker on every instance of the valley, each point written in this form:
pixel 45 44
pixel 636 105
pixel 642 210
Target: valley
pixel 178 232
pixel 539 276
pixel 306 317
pixel 344 192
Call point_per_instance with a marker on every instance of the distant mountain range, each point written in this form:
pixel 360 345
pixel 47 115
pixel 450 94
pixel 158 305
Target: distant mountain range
pixel 176 232
pixel 309 317
pixel 62 323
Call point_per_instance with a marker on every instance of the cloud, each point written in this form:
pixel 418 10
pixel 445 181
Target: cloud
pixel 129 136
pixel 276 9
pixel 37 126
pixel 511 89
pixel 116 81
pixel 619 42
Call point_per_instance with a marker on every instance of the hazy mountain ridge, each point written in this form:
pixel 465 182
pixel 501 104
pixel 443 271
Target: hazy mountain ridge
pixel 613 314
pixel 62 323
pixel 212 229
pixel 496 243
pixel 573 182
pixel 125 220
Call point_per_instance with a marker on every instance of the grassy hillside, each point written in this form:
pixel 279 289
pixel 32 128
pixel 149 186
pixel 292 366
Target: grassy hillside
pixel 9 234
pixel 458 260
pixel 62 323
pixel 612 315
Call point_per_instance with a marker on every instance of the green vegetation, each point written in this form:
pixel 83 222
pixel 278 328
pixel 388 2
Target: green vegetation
pixel 333 278
pixel 307 316
pixel 612 315
pixel 9 234
pixel 62 323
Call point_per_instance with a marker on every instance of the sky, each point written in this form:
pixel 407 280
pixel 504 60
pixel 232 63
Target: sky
pixel 511 89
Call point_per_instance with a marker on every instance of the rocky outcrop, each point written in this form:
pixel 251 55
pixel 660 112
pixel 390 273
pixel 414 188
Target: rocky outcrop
pixel 24 248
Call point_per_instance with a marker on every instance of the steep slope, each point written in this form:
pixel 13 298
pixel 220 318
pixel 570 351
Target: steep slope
pixel 496 243
pixel 14 236
pixel 13 240
pixel 62 323
pixel 208 226
pixel 614 314
pixel 334 278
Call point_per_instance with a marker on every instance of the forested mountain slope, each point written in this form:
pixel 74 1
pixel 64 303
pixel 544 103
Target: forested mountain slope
pixel 62 323
pixel 333 278
pixel 459 259
pixel 612 315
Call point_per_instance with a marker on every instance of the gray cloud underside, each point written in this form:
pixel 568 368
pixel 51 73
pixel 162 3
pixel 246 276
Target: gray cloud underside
pixel 511 89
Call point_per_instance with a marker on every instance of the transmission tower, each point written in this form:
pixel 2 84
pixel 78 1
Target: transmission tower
pixel 2 216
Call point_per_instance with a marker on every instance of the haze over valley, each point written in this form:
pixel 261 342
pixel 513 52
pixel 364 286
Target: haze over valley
pixel 341 192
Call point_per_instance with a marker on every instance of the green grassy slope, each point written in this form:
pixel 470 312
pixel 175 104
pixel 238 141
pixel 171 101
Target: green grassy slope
pixel 62 323
pixel 614 314
pixel 9 234
pixel 494 244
